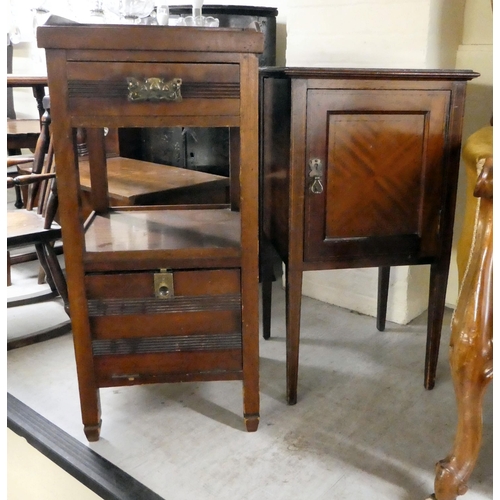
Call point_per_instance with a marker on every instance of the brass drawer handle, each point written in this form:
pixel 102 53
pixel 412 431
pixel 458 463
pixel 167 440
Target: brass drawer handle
pixel 154 89
pixel 316 172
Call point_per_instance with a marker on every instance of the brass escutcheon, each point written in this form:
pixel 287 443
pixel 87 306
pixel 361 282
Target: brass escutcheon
pixel 316 172
pixel 164 284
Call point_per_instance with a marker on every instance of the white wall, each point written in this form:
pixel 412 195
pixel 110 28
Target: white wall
pixel 357 33
pixel 382 33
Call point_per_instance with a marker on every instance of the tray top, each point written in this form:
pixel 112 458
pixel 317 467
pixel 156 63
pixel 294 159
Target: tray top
pixel 150 38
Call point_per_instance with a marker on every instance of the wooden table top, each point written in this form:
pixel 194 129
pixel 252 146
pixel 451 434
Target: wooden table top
pixel 24 126
pixel 129 180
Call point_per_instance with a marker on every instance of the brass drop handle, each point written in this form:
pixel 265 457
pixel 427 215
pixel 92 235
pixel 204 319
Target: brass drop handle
pixel 316 172
pixel 154 89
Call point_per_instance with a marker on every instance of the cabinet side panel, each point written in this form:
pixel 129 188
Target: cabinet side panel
pixel 275 133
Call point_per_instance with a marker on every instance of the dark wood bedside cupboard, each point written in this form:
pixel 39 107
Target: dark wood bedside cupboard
pixel 360 169
pixel 157 293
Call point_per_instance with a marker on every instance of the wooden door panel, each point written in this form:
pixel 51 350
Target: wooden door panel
pixel 382 159
pixel 378 157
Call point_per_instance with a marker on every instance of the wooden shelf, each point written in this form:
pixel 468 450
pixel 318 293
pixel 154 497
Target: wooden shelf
pixel 138 235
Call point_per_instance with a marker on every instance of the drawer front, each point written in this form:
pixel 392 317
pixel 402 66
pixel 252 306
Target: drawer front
pixel 124 305
pixel 135 334
pixel 145 89
pixel 375 181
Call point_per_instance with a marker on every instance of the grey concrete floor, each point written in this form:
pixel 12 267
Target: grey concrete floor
pixel 364 426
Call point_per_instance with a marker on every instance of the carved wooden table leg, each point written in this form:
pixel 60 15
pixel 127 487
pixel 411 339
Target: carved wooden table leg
pixel 471 348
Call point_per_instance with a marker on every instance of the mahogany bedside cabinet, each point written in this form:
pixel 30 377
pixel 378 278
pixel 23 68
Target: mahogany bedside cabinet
pixel 359 169
pixel 157 293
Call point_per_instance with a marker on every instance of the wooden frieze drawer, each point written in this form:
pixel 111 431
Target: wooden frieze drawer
pixel 170 88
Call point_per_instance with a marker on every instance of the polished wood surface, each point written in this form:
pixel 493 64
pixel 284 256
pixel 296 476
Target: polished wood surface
pixel 387 143
pixel 88 68
pixel 471 347
pixel 135 182
pixel 16 128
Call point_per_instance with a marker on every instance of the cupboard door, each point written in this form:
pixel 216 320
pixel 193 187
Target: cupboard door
pixel 374 173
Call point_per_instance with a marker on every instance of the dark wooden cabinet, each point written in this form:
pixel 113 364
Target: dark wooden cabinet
pixel 360 169
pixel 163 293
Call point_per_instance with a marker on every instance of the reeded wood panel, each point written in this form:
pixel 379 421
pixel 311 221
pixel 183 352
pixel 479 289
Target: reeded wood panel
pixel 158 325
pixel 159 367
pixel 382 155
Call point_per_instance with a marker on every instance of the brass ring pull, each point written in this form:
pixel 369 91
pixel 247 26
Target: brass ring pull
pixel 316 186
pixel 154 89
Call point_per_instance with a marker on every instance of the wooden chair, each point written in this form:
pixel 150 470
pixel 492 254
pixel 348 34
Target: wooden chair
pixel 35 225
pixel 22 133
pixel 471 345
pixel 29 227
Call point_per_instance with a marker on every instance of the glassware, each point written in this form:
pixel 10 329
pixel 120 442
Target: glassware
pixel 162 15
pixel 197 18
pixel 197 15
pixel 130 11
pixel 97 12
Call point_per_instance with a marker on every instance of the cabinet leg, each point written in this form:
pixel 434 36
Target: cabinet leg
pixel 251 395
pixel 267 297
pixel 251 422
pixel 437 295
pixel 293 303
pixel 266 277
pixel 384 273
pixel 92 432
pixel 91 413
